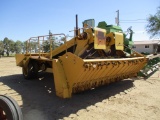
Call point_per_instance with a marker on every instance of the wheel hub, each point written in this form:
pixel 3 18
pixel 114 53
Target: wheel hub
pixel 2 114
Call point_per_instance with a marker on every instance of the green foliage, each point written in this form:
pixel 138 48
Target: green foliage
pixel 8 45
pixel 1 47
pixel 55 42
pixel 33 46
pixel 18 46
pixel 153 26
pixel 46 46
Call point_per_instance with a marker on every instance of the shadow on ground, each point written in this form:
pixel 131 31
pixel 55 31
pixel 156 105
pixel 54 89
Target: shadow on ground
pixel 40 101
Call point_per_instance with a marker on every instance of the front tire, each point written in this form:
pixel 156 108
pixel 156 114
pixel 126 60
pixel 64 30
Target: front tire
pixel 9 109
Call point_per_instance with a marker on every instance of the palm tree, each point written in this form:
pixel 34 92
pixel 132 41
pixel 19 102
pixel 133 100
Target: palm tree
pixel 153 27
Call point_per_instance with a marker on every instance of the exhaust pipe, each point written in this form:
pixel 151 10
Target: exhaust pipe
pixel 76 25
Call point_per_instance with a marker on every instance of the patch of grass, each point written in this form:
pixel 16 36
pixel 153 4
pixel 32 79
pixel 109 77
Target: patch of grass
pixel 10 55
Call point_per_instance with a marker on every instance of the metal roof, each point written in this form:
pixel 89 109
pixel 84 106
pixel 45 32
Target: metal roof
pixel 146 42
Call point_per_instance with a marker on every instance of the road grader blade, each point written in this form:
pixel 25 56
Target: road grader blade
pixel 73 74
pixel 96 56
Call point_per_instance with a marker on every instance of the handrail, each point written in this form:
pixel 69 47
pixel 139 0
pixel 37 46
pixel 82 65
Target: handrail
pixel 39 39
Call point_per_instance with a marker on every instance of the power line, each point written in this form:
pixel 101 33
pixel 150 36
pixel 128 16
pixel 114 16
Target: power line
pixel 132 22
pixel 118 21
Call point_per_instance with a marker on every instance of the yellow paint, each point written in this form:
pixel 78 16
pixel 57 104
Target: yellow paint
pixel 73 74
pixel 119 42
pixel 19 59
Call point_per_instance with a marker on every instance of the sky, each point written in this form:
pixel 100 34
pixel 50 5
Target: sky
pixel 22 19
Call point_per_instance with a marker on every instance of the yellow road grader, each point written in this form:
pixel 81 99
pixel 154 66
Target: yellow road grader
pixel 96 56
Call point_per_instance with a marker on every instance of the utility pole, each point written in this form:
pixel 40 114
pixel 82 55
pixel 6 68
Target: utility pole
pixel 117 18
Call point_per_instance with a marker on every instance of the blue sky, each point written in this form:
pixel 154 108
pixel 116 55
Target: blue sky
pixel 22 19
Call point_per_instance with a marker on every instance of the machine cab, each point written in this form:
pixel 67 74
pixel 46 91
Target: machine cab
pixel 90 23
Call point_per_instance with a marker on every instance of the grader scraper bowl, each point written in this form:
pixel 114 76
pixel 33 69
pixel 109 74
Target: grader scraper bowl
pixel 73 74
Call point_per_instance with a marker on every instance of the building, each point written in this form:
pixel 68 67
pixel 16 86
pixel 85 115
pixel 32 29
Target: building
pixel 148 46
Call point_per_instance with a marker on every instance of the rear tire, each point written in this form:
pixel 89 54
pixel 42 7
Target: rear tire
pixel 31 71
pixel 9 109
pixel 27 71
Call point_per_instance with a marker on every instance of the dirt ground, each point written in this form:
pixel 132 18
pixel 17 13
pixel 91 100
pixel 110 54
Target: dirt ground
pixel 131 99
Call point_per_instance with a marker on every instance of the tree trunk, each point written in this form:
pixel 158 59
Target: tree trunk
pixel 2 53
pixel 7 54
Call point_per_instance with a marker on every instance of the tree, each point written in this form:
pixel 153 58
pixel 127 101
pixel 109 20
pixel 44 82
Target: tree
pixel 1 48
pixel 33 46
pixel 153 26
pixel 24 46
pixel 11 46
pixel 18 46
pixel 53 40
pixel 46 46
pixel 8 45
